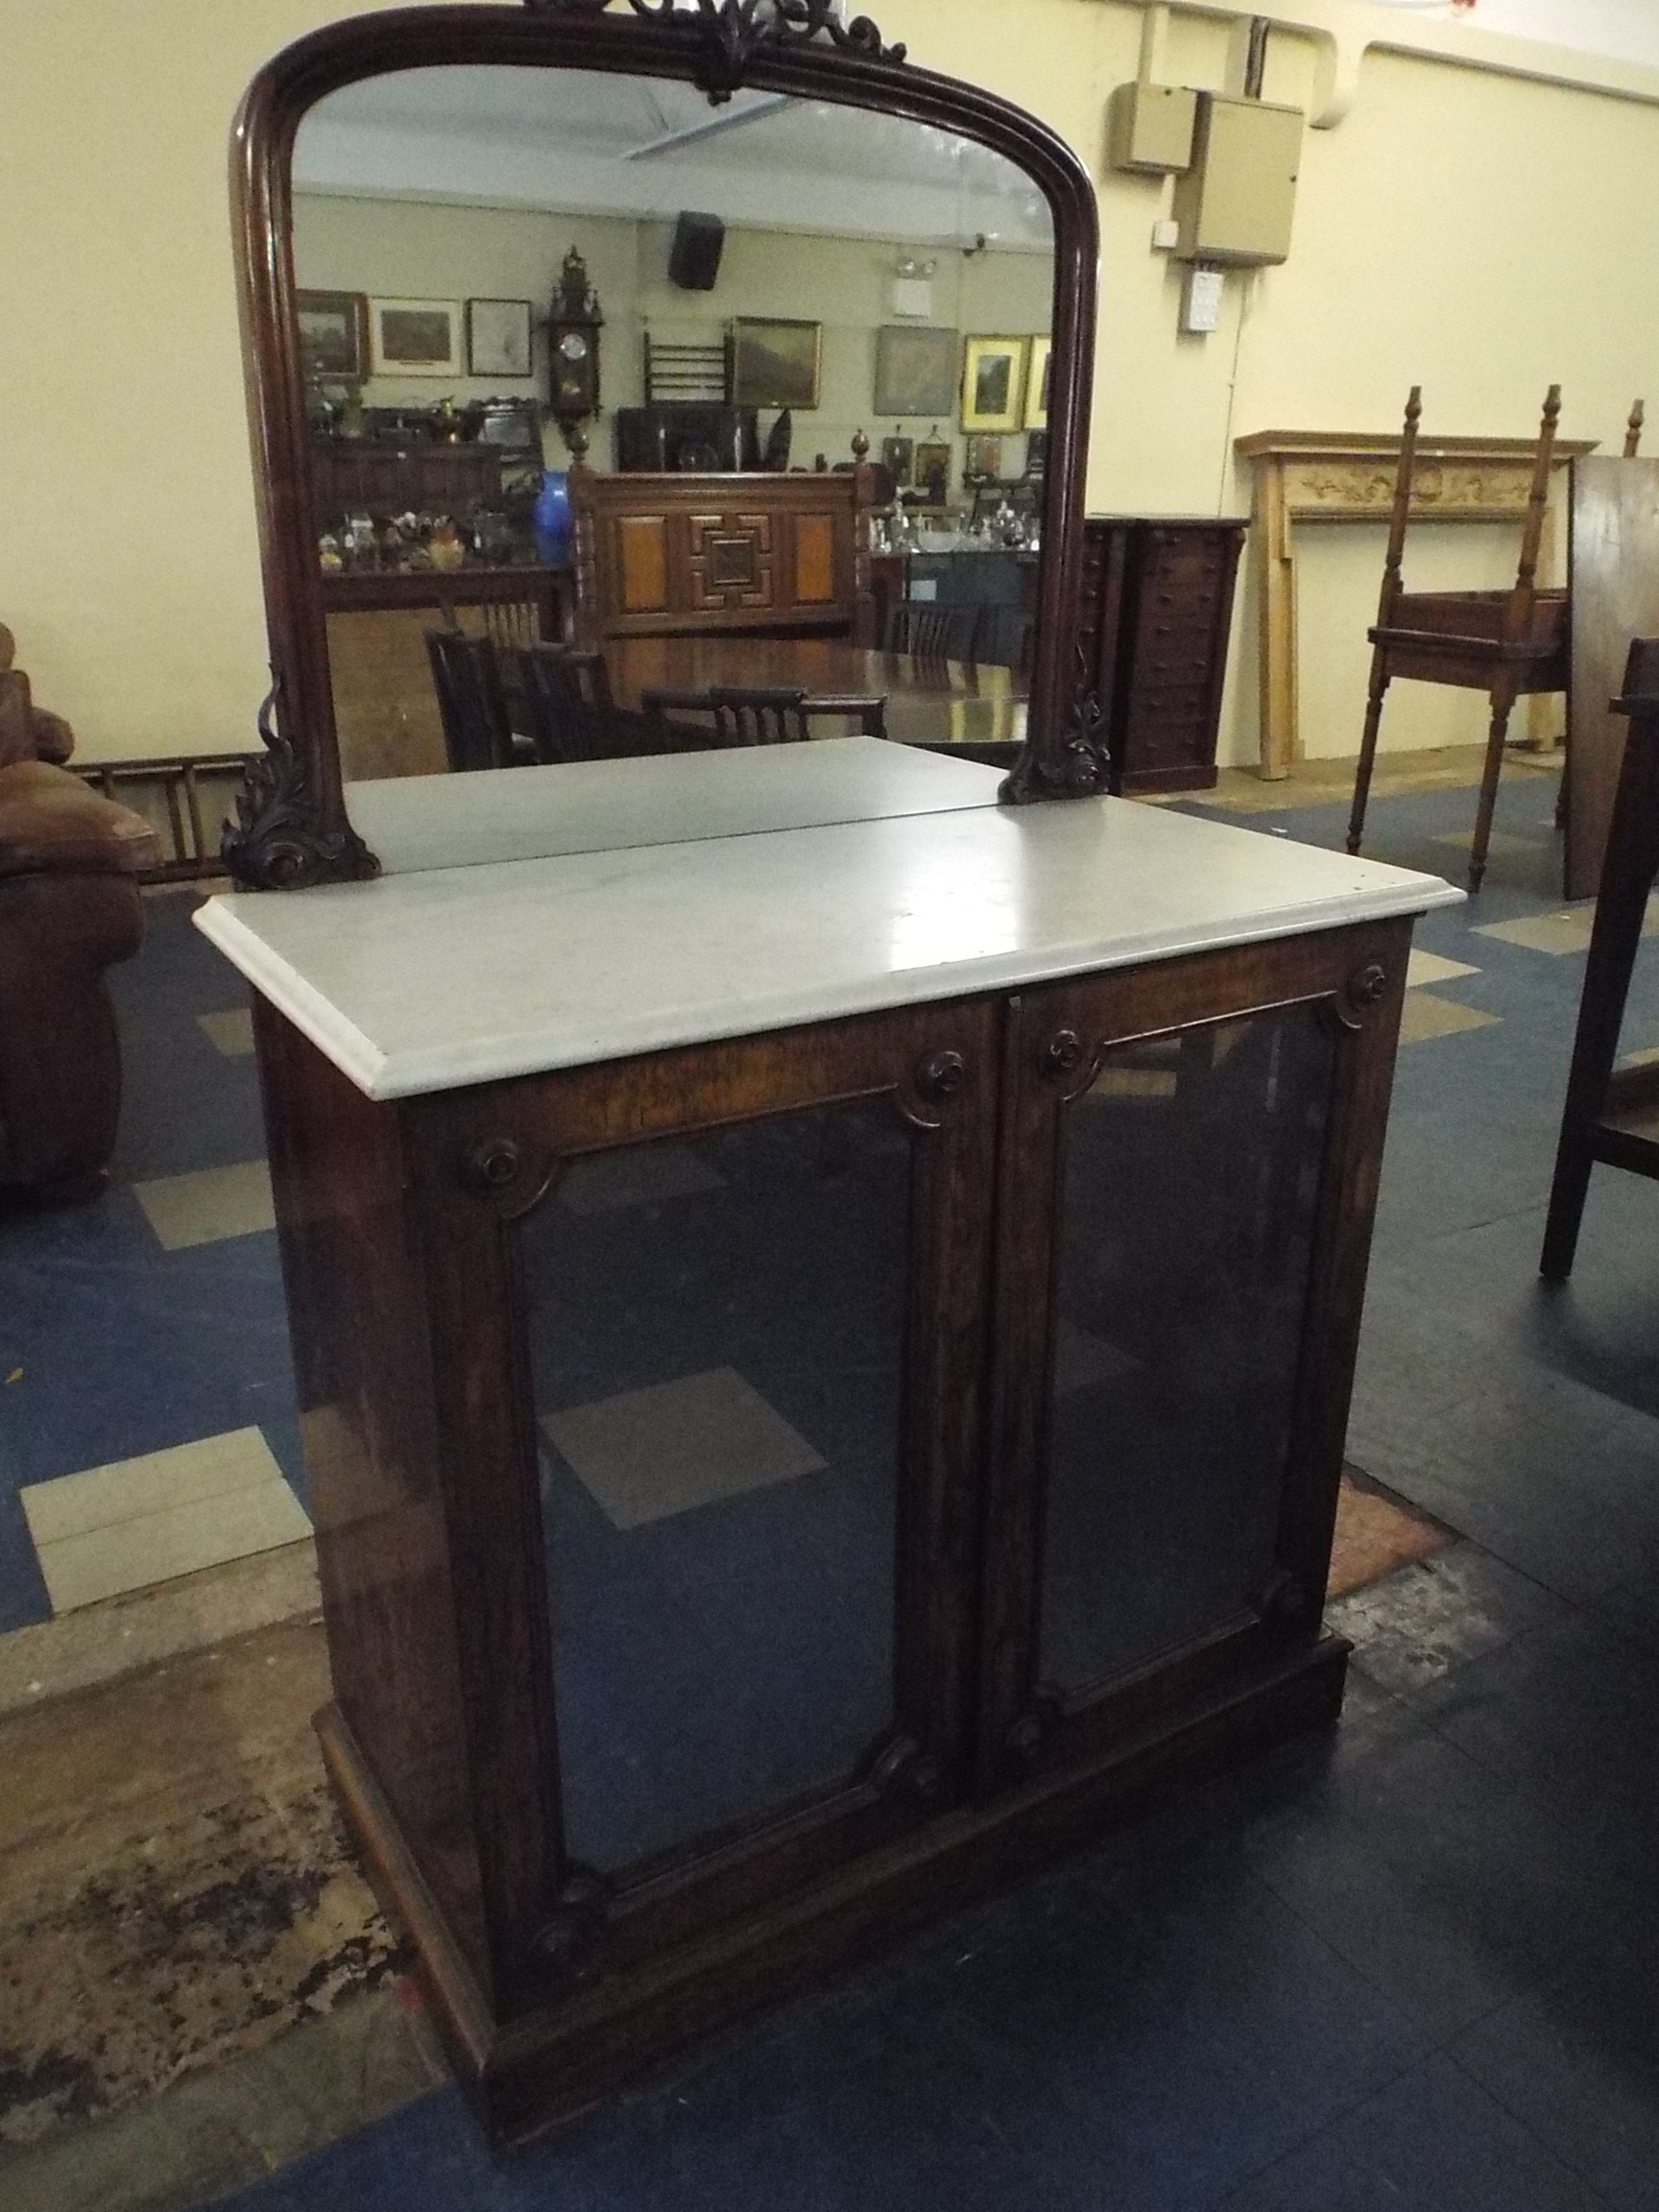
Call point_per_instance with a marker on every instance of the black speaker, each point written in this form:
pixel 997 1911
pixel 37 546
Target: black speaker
pixel 694 259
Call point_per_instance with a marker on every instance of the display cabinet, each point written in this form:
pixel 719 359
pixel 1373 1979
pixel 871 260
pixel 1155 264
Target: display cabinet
pixel 808 1398
pixel 824 1291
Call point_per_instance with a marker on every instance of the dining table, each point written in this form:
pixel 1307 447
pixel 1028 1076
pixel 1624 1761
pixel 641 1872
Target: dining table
pixel 934 703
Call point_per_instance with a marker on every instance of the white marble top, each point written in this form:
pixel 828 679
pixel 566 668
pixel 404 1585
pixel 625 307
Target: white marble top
pixel 465 974
pixel 414 822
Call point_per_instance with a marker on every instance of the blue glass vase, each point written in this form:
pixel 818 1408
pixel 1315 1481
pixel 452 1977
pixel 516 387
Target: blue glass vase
pixel 550 517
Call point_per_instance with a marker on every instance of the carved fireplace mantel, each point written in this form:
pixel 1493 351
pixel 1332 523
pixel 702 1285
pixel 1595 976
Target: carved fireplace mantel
pixel 1348 476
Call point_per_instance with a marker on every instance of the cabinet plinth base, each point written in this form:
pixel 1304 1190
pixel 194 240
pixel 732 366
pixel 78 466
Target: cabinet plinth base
pixel 528 2074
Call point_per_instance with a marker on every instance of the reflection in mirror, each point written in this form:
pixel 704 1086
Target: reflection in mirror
pixel 1178 1317
pixel 716 1328
pixel 525 290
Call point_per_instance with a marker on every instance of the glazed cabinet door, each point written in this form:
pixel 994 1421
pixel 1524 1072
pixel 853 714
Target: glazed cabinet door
pixel 711 1332
pixel 1190 1165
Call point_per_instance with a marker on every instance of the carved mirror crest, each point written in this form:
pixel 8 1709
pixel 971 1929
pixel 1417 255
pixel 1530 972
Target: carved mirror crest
pixel 431 178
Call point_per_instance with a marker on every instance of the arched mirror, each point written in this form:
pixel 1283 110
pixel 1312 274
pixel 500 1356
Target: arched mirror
pixel 633 380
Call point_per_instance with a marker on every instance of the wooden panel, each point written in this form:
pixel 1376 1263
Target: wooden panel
pixel 643 539
pixel 1613 564
pixel 385 709
pixel 363 1371
pixel 815 559
pixel 749 553
pixel 731 563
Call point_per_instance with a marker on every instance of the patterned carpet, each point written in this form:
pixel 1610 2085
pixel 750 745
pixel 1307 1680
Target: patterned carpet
pixel 175 1885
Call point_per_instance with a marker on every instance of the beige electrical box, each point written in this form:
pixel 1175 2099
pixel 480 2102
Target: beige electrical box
pixel 1235 203
pixel 1149 128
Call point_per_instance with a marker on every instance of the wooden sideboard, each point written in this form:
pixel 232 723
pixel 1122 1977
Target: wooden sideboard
pixel 382 477
pixel 1157 614
pixel 659 555
pixel 808 1401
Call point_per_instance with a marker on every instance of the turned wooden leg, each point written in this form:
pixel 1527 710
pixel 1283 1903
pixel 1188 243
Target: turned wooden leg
pixel 1503 706
pixel 1368 748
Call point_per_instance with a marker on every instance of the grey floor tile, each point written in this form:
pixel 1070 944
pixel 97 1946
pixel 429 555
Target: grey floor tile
pixel 1434 2141
pixel 1449 1889
pixel 1577 2061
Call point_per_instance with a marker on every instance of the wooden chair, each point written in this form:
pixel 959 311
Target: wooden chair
pixel 1613 1115
pixel 1505 643
pixel 567 701
pixel 928 632
pixel 477 731
pixel 775 714
pixel 510 623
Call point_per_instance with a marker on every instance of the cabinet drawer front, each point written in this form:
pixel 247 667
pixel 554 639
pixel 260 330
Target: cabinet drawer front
pixel 737 1302
pixel 1165 1456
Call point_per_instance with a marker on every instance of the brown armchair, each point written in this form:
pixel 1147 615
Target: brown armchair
pixel 68 907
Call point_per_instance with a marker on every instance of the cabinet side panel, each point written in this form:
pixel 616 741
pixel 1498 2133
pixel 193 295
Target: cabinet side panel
pixel 362 1370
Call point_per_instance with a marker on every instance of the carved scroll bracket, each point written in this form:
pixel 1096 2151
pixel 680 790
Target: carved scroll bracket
pixel 281 839
pixel 1083 749
pixel 732 33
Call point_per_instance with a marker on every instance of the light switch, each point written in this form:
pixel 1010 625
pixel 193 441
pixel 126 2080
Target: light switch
pixel 1201 300
pixel 1165 235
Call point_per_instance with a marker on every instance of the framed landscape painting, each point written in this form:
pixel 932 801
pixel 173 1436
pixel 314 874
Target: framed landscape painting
pixel 915 370
pixel 774 363
pixel 994 384
pixel 414 337
pixel 334 335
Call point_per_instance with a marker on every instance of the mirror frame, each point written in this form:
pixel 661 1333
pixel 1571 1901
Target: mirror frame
pixel 291 828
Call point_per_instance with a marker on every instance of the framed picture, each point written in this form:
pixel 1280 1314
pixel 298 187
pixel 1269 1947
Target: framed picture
pixel 933 471
pixel 915 370
pixel 414 337
pixel 1037 455
pixel 334 335
pixel 498 338
pixel 899 459
pixel 774 363
pixel 1038 374
pixel 993 384
pixel 983 462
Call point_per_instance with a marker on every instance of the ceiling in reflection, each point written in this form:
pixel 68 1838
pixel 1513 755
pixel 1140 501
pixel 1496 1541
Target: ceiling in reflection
pixel 580 142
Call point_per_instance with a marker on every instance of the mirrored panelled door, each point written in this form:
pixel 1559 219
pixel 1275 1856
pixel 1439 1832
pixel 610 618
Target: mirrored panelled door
pixel 737 1404
pixel 1177 1332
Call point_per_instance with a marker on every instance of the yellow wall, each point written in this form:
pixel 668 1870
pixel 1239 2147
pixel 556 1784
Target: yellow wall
pixel 1480 234
pixel 419 249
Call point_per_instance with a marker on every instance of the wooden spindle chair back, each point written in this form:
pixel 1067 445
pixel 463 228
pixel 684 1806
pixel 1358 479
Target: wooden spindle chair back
pixel 477 731
pixel 928 632
pixel 572 715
